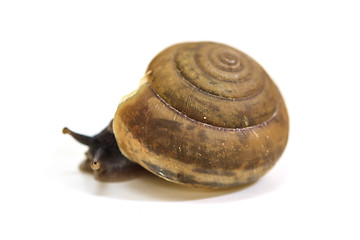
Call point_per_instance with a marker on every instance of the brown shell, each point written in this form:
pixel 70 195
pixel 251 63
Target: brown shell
pixel 205 115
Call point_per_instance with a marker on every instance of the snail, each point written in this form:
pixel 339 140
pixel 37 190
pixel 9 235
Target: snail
pixel 204 115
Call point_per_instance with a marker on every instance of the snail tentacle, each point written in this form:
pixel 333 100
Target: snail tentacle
pixel 86 140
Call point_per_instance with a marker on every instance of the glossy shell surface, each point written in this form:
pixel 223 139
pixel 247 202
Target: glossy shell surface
pixel 205 115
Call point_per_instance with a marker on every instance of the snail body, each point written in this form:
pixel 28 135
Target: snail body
pixel 204 115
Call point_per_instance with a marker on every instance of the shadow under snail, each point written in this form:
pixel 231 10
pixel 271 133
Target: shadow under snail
pixel 205 115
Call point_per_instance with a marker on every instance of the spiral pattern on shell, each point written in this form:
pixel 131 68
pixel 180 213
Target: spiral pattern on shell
pixel 213 83
pixel 206 115
pixel 218 70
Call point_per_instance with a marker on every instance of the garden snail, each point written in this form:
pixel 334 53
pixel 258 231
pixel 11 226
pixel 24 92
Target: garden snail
pixel 205 114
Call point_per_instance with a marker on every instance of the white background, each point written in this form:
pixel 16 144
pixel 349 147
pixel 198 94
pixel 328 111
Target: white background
pixel 67 63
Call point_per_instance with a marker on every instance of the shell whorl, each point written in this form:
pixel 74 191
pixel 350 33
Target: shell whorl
pixel 218 70
pixel 213 83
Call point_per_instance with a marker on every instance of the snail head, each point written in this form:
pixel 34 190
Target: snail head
pixel 103 158
pixel 102 148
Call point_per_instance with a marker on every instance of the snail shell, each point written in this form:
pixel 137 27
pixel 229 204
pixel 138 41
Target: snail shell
pixel 206 115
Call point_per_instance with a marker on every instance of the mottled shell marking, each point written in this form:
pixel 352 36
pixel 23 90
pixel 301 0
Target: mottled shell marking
pixel 208 115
